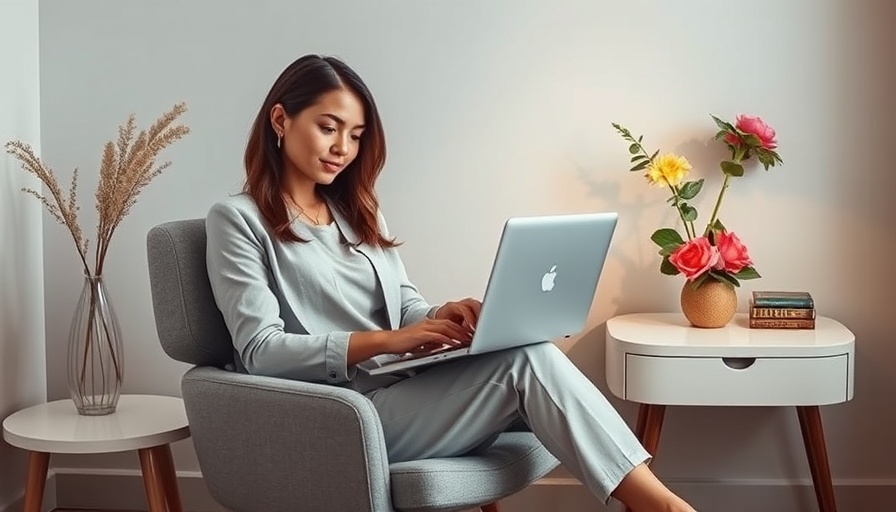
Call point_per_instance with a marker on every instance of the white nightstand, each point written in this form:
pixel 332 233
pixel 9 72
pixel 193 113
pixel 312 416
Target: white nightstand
pixel 144 423
pixel 659 359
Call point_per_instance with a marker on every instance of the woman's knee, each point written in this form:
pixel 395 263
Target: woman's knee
pixel 541 353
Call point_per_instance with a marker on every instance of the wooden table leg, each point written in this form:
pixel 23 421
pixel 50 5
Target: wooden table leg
pixel 647 430
pixel 491 507
pixel 154 494
pixel 816 452
pixel 650 423
pixel 38 462
pixel 167 476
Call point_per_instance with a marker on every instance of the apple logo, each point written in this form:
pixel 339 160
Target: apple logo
pixel 547 281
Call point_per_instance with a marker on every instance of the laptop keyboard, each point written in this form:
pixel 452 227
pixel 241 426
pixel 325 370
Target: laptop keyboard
pixel 417 355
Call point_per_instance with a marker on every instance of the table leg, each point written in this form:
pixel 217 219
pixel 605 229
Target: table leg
pixel 491 507
pixel 816 452
pixel 154 494
pixel 38 462
pixel 647 430
pixel 650 423
pixel 167 476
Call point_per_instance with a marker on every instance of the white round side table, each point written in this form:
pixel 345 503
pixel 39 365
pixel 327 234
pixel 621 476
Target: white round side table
pixel 145 423
pixel 659 360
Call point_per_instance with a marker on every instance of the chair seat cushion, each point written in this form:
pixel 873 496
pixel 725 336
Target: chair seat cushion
pixel 515 460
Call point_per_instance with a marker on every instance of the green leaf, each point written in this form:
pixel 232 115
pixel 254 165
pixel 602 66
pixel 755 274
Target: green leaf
pixel 724 277
pixel 747 273
pixel 640 139
pixel 731 168
pixel 668 249
pixel 723 125
pixel 718 226
pixel 690 189
pixel 634 149
pixel 752 140
pixel 638 157
pixel 654 154
pixel 643 165
pixel 697 282
pixel 667 268
pixel 688 212
pixel 666 236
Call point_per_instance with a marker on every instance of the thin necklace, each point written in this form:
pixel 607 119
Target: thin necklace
pixel 314 220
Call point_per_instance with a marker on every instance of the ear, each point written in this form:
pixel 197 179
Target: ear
pixel 278 118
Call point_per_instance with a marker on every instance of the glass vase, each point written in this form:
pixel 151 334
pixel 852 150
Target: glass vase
pixel 95 358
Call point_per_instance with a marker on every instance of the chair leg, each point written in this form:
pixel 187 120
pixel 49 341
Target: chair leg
pixel 491 507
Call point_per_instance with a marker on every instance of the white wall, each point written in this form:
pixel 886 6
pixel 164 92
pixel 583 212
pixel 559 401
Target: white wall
pixel 504 107
pixel 22 354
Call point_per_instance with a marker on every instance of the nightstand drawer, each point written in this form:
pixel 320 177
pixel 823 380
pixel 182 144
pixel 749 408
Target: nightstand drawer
pixel 672 380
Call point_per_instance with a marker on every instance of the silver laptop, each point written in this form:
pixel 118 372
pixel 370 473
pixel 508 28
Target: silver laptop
pixel 540 289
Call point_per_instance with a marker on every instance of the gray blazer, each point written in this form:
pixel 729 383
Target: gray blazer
pixel 268 293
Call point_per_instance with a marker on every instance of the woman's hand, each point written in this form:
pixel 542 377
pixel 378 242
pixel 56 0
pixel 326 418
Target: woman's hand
pixel 463 312
pixel 428 335
pixel 452 325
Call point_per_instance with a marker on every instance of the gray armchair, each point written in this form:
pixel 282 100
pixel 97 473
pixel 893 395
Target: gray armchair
pixel 276 445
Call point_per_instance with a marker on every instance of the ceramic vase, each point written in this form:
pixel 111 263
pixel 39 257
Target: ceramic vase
pixel 710 305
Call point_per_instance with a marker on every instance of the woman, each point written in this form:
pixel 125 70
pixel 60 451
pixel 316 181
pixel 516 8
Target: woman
pixel 311 285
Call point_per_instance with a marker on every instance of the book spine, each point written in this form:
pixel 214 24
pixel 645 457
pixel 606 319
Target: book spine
pixel 782 323
pixel 759 312
pixel 783 302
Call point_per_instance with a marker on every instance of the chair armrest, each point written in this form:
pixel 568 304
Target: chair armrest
pixel 281 445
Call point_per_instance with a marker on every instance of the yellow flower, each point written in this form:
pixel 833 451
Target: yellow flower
pixel 668 170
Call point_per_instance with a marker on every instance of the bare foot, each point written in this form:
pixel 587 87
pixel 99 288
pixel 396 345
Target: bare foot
pixel 641 491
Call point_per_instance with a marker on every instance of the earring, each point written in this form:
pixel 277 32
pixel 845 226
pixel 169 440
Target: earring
pixel 279 136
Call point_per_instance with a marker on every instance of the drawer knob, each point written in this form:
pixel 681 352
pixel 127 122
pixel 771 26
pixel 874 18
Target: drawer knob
pixel 738 363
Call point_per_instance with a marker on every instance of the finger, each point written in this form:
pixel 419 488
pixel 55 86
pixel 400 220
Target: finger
pixel 469 318
pixel 458 332
pixel 447 329
pixel 475 307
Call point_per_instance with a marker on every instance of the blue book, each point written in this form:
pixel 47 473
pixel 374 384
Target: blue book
pixel 783 299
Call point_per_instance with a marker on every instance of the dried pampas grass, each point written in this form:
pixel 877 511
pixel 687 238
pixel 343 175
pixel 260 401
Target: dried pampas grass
pixel 128 165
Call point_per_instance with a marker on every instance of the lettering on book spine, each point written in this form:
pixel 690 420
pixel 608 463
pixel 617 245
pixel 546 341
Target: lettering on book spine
pixel 782 323
pixel 760 312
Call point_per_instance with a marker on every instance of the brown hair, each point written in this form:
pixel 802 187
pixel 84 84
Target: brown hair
pixel 299 86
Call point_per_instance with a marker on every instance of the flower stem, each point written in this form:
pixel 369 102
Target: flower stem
pixel 690 232
pixel 715 210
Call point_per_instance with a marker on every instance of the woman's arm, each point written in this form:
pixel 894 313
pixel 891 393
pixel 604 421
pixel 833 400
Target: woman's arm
pixel 241 282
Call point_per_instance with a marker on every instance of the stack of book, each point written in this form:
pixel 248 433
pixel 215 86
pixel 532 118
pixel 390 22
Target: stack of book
pixel 782 310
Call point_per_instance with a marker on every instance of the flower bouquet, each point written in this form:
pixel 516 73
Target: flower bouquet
pixel 714 254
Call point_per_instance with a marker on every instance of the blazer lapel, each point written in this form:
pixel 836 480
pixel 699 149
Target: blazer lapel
pixel 384 273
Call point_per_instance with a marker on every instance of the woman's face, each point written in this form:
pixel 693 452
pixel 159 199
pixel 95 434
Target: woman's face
pixel 320 141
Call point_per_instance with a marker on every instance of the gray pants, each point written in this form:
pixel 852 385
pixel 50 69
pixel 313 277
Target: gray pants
pixel 455 407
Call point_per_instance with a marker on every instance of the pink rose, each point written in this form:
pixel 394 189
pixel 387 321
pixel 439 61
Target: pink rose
pixel 694 257
pixel 732 252
pixel 754 126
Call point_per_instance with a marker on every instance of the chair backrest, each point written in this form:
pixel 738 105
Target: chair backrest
pixel 189 324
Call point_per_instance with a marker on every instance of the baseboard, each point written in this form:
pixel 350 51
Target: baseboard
pixel 853 495
pixel 49 502
pixel 123 490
